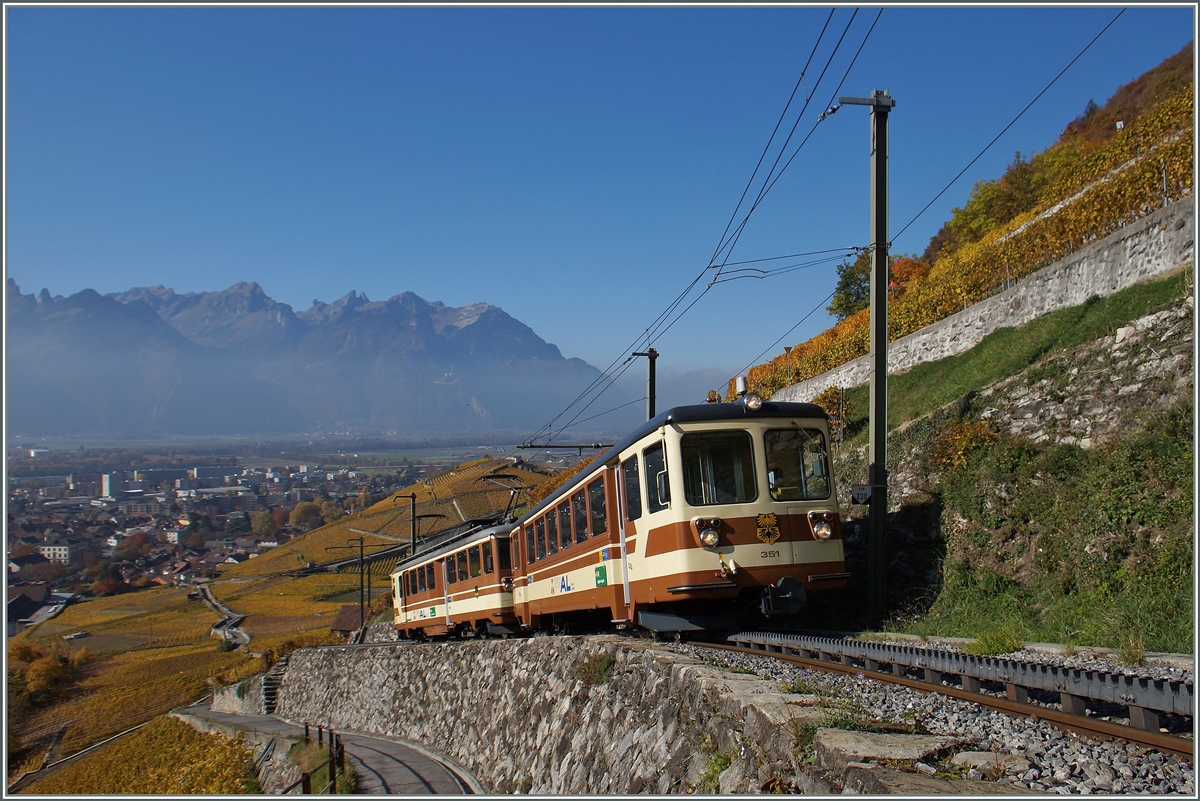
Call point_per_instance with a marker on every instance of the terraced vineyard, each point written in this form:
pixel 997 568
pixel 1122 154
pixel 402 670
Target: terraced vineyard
pixel 151 651
pixel 457 494
pixel 164 756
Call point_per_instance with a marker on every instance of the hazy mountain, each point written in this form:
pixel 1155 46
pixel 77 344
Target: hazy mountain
pixel 150 360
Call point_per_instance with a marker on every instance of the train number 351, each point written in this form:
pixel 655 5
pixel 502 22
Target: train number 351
pixel 769 554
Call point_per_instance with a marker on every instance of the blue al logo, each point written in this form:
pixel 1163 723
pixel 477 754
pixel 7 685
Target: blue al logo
pixel 601 576
pixel 564 584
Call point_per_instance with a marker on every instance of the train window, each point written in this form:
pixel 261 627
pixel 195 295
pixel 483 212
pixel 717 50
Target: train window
pixel 579 504
pixel 656 463
pixel 541 538
pixel 505 558
pixel 797 464
pixel 515 556
pixel 474 561
pixel 529 549
pixel 551 533
pixel 448 566
pixel 718 468
pixel 462 566
pixel 429 576
pixel 564 525
pixel 412 582
pixel 487 557
pixel 633 489
pixel 596 503
pixel 420 579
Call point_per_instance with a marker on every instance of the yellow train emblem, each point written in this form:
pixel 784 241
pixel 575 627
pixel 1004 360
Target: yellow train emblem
pixel 768 527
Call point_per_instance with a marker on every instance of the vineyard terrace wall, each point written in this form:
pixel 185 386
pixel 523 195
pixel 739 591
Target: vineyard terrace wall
pixel 559 714
pixel 1156 244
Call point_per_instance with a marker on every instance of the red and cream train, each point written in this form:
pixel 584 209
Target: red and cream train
pixel 705 517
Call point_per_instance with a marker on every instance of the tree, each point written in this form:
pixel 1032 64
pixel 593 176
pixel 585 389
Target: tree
pixel 853 291
pixel 330 511
pixel 307 515
pixel 135 545
pixel 237 524
pixel 264 525
pixel 110 586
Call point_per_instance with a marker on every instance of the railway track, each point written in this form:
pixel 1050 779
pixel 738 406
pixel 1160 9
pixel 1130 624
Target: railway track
pixel 934 671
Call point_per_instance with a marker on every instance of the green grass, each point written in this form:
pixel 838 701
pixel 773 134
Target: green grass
pixel 1007 352
pixel 993 641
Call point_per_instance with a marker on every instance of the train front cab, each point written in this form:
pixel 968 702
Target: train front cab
pixel 713 508
pixel 742 510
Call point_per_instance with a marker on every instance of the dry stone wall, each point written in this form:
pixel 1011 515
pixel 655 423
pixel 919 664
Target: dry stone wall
pixel 560 714
pixel 1154 245
pixel 243 698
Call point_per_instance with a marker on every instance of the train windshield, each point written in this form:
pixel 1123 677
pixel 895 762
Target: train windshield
pixel 718 468
pixel 797 464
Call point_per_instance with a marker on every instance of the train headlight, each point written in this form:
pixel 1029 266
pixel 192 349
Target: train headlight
pixel 715 523
pixel 753 401
pixel 822 530
pixel 709 538
pixel 508 584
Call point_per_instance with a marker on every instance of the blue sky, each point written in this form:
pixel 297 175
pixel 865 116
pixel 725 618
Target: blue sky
pixel 575 166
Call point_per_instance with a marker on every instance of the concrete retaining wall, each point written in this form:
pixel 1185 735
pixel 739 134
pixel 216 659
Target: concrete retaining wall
pixel 1152 246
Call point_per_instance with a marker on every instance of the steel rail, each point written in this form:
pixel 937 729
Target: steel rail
pixel 1145 697
pixel 1072 723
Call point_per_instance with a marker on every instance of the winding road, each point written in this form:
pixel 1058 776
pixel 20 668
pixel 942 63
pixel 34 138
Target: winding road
pixel 382 765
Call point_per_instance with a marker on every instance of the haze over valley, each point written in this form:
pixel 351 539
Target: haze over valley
pixel 150 361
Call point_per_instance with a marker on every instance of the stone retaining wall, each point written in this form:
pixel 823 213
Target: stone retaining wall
pixel 521 715
pixel 1154 245
pixel 243 698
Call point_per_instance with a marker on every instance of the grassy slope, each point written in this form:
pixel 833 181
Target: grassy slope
pixel 1007 352
pixel 1128 502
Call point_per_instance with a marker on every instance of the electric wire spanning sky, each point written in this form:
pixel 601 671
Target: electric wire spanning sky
pixel 577 167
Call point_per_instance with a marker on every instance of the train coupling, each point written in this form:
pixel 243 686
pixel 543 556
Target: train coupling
pixel 784 597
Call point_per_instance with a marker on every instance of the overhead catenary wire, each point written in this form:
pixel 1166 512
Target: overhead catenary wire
pixel 771 347
pixel 761 274
pixel 728 241
pixel 668 317
pixel 770 182
pixel 771 138
pixel 969 164
pixel 987 147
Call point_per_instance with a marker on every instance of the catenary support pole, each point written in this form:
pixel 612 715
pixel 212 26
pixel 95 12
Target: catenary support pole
pixel 880 104
pixel 651 355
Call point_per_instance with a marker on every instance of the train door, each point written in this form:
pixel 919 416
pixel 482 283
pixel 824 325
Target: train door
pixel 622 603
pixel 445 591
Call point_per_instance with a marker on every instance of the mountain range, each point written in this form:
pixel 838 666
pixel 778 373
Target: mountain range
pixel 150 361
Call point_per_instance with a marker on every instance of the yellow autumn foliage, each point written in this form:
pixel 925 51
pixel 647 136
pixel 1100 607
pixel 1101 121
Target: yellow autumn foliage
pixel 1093 191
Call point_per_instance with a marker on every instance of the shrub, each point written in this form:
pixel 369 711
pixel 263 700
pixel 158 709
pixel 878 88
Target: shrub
pixel 959 440
pixel 596 669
